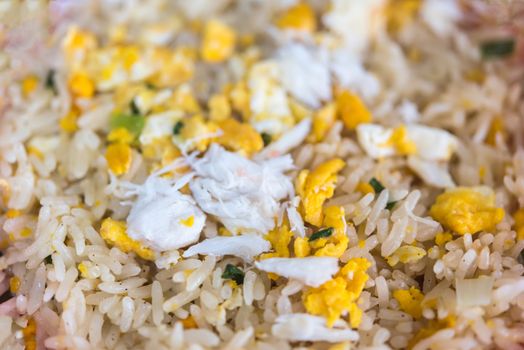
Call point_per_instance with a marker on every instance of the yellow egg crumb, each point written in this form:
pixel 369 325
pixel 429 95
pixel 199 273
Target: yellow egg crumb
pixel 496 128
pixel 81 84
pixel 114 233
pixel 13 213
pixel 518 216
pixel 68 123
pixel 238 136
pixel 315 187
pixel 301 247
pixel 29 333
pixel 219 107
pixel 399 13
pixel 339 294
pixel 120 135
pixel 467 209
pixel 83 270
pixel 475 75
pixel 26 232
pixel 218 43
pixel 341 346
pixel 406 254
pixel 119 157
pixel 400 141
pixel 336 244
pixel 29 84
pixel 409 301
pixel 352 110
pixel 323 120
pixel 365 187
pixel 189 221
pixel 14 284
pixel 189 322
pixel 279 237
pixel 298 17
pixel 442 238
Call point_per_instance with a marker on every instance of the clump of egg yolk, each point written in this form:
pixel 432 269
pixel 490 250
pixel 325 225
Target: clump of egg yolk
pixel 467 209
pixel 114 233
pixel 340 294
pixel 315 187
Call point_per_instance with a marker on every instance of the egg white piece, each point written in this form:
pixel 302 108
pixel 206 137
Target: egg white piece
pixel 244 195
pixel 432 173
pixel 161 217
pixel 305 327
pixel 431 143
pixel 313 270
pixel 287 141
pixel 159 125
pixel 245 246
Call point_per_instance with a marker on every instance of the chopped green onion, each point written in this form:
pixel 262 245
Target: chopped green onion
pixel 134 108
pixel 150 86
pixel 178 127
pixel 326 232
pixel 233 273
pixel 50 80
pixel 48 259
pixel 497 48
pixel 266 138
pixel 377 185
pixel 390 205
pixel 133 123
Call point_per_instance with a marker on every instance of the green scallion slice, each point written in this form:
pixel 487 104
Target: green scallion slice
pixel 232 272
pixel 326 232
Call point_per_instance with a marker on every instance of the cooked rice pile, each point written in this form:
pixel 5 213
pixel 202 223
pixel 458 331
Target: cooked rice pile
pixel 261 175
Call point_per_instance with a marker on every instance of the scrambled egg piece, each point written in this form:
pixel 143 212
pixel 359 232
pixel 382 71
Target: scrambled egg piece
pixel 442 238
pixel 406 254
pixel 467 209
pixel 365 188
pixel 119 157
pixel 171 67
pixel 298 17
pixel 219 107
pixel 29 84
pixel 519 223
pixel 77 43
pixel 315 187
pixel 239 137
pixel 114 233
pixel 120 135
pixel 81 84
pixel 195 133
pixel 410 301
pixel 339 294
pixel 14 284
pixel 400 141
pixel 301 247
pixel 336 244
pixel 399 13
pixel 68 122
pixel 218 43
pixel 322 121
pixel 29 333
pixel 352 110
pixel 279 237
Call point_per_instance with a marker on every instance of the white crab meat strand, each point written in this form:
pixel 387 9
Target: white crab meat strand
pixel 244 195
pixel 246 246
pixel 312 271
pixel 431 143
pixel 305 327
pixel 431 173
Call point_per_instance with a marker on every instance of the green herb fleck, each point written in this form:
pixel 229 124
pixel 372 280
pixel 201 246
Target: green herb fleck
pixel 233 273
pixel 377 185
pixel 134 108
pixel 133 123
pixel 178 127
pixel 497 48
pixel 48 259
pixel 326 232
pixel 266 138
pixel 150 86
pixel 50 80
pixel 391 205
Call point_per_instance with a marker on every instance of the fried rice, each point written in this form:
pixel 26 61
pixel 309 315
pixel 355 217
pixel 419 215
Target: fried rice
pixel 225 174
